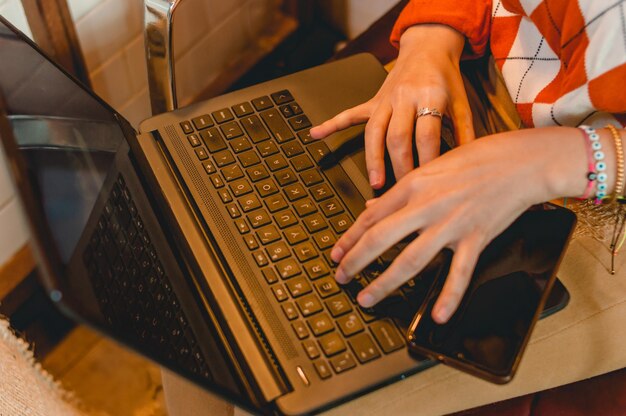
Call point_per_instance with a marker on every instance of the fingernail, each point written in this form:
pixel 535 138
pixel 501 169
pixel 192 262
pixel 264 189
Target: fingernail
pixel 336 254
pixel 340 276
pixel 374 178
pixel 441 315
pixel 366 300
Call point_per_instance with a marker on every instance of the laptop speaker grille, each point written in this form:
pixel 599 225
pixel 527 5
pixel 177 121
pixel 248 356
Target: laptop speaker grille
pixel 248 274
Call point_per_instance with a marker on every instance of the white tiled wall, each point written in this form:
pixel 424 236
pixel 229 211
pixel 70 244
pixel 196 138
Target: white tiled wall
pixel 12 11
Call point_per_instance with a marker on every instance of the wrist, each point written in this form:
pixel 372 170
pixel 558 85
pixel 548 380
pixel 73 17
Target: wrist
pixel 430 40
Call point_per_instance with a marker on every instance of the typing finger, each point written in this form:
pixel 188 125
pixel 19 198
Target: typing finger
pixel 399 143
pixel 343 120
pixel 407 265
pixel 375 145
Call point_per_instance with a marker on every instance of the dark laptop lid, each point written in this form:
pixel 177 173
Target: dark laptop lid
pixel 62 142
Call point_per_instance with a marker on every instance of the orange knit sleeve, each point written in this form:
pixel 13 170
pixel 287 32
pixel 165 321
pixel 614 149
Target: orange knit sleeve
pixel 472 18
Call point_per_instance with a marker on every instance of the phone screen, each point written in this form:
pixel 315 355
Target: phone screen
pixel 512 280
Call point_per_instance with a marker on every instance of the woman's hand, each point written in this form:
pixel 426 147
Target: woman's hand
pixel 426 74
pixel 462 200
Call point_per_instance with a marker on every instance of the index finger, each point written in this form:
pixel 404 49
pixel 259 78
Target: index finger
pixel 350 117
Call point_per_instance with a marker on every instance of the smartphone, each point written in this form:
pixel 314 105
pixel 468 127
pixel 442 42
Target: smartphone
pixel 511 285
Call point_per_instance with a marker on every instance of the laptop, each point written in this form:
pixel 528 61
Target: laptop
pixel 202 240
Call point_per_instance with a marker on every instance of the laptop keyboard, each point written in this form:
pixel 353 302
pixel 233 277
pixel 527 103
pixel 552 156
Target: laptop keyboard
pixel 133 291
pixel 263 163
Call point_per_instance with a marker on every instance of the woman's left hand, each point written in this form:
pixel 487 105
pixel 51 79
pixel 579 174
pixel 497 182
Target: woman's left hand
pixel 461 200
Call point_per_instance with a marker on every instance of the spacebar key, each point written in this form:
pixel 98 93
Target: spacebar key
pixel 277 125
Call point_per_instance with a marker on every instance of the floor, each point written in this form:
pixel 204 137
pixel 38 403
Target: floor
pixel 106 377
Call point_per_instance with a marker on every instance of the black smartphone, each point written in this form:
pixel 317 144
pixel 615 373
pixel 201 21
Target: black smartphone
pixel 510 287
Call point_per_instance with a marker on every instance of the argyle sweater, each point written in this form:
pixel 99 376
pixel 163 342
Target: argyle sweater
pixel 563 61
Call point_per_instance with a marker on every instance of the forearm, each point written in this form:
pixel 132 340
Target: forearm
pixel 429 40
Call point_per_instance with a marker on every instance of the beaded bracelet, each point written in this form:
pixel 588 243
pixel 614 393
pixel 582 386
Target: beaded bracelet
pixel 591 169
pixel 618 195
pixel 601 177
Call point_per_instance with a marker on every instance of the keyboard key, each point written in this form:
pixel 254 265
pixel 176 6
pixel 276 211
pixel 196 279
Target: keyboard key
pixel 266 187
pixel 332 344
pixel 285 177
pixel 240 187
pixel 295 192
pixel 290 311
pixel 299 122
pixel 194 140
pixel 213 140
pixel 224 158
pixel 240 144
pixel 276 162
pixel 285 219
pixel 278 251
pixel 331 207
pixel 270 275
pixel 242 226
pixel 277 125
pixel 321 192
pixel 222 116
pixel 310 347
pixel 311 177
pixel 231 130
pixel 309 305
pixel 316 269
pixel 257 173
pixel 233 210
pixel 367 314
pixel 305 251
pixel 319 151
pixel 285 110
pixel 202 122
pixel 186 126
pixel 209 166
pixel 301 162
pixel 267 148
pixel 288 268
pixel 305 136
pixel 282 97
pixel 249 203
pixel 292 149
pixel 338 305
pixel 232 172
pixel 242 109
pixel 280 293
pixel 342 362
pixel 322 368
pixel 320 324
pixel 251 242
pixel 201 153
pixel 255 129
pixel 268 234
pixel 305 207
pixel 340 223
pixel 217 181
pixel 260 258
pixel 262 103
pixel 249 158
pixel 295 108
pixel 259 219
pixel 364 348
pixel 295 235
pixel 386 335
pixel 324 239
pixel 298 286
pixel 327 287
pixel 350 324
pixel 314 223
pixel 275 203
pixel 300 329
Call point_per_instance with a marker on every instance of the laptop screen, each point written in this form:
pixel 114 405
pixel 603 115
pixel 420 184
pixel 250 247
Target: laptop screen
pixel 71 143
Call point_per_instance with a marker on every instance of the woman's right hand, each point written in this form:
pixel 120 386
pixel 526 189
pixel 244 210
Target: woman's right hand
pixel 426 74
